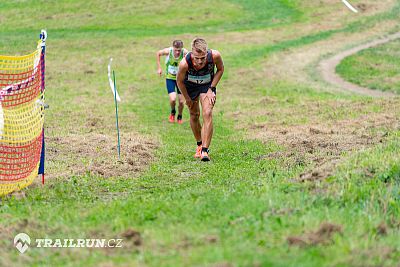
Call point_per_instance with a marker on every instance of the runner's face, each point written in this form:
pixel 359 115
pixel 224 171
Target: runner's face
pixel 199 58
pixel 177 51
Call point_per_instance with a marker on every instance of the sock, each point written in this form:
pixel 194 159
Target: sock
pixel 204 149
pixel 173 111
pixel 199 143
pixel 179 117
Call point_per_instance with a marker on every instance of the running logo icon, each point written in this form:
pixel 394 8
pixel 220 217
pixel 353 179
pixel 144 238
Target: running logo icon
pixel 22 242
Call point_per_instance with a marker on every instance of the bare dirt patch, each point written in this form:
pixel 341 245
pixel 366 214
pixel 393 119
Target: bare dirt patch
pixel 132 238
pixel 376 253
pixel 222 264
pixel 6 241
pixel 322 236
pixel 96 154
pixel 321 145
pixel 382 229
pixel 362 7
pixel 6 232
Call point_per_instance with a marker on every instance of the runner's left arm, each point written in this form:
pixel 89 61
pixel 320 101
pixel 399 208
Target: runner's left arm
pixel 212 92
pixel 220 68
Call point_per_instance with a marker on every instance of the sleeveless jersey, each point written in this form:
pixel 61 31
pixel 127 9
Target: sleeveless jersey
pixel 172 64
pixel 199 79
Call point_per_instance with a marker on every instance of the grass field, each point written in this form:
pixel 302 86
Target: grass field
pixel 375 68
pixel 301 175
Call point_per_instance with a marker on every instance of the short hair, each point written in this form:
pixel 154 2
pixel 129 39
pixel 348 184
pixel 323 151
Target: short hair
pixel 177 44
pixel 199 44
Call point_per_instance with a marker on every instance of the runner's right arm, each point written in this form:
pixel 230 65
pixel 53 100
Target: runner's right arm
pixel 162 52
pixel 180 77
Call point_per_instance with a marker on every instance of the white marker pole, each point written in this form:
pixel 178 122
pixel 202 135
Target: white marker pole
pixel 116 116
pixel 350 6
pixel 113 89
pixel 113 85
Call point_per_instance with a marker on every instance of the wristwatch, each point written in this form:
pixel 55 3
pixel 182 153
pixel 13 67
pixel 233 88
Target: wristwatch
pixel 213 89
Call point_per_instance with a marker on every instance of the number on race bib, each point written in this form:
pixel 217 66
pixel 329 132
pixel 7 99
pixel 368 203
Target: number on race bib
pixel 199 79
pixel 172 69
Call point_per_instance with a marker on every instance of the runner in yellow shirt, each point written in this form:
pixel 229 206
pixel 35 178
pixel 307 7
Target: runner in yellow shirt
pixel 174 55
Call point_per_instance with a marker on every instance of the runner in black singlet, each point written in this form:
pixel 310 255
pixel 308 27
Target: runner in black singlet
pixel 197 80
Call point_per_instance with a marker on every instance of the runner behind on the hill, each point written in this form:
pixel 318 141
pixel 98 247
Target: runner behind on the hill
pixel 174 55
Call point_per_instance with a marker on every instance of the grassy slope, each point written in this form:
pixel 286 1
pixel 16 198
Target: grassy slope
pixel 248 206
pixel 375 68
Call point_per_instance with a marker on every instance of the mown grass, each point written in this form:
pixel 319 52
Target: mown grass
pixel 239 209
pixel 127 19
pixel 375 68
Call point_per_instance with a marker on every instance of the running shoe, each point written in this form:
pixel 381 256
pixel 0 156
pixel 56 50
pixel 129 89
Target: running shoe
pixel 204 156
pixel 171 118
pixel 198 152
pixel 180 121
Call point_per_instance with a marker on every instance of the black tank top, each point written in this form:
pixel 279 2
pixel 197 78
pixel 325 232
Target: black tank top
pixel 199 79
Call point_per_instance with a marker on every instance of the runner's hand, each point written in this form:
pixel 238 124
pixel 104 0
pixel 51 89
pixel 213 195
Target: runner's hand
pixel 189 102
pixel 159 71
pixel 211 96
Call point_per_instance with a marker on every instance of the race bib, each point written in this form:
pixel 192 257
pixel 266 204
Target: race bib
pixel 173 70
pixel 199 79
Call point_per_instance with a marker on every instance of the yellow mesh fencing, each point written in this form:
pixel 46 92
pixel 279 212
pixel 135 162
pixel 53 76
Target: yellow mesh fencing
pixel 21 119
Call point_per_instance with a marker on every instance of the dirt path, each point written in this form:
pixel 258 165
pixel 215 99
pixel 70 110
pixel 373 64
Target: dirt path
pixel 327 68
pixel 314 132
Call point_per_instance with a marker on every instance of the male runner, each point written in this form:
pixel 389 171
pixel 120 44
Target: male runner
pixel 197 81
pixel 174 55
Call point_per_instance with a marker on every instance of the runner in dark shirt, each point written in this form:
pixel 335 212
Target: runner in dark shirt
pixel 197 80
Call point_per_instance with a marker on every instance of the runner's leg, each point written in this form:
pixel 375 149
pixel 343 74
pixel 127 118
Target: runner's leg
pixel 195 120
pixel 172 98
pixel 181 100
pixel 207 130
pixel 172 102
pixel 181 104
